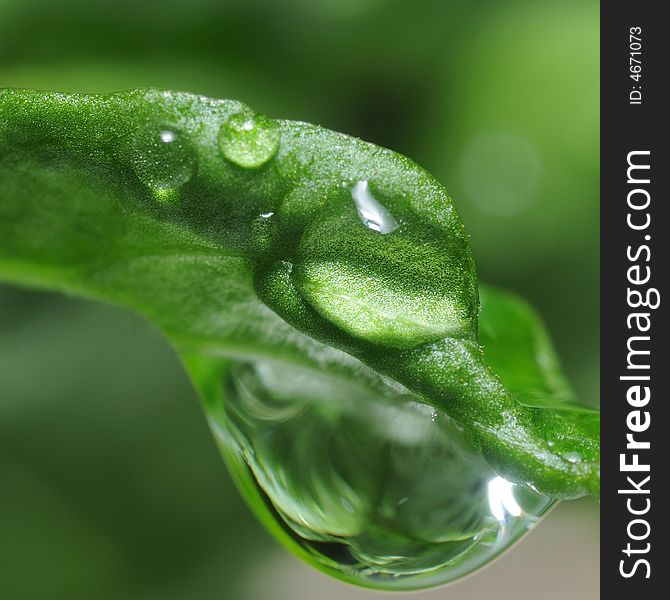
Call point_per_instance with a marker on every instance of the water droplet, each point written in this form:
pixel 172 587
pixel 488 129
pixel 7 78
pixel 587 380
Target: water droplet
pixel 267 215
pixel 163 159
pixel 573 457
pixel 249 140
pixel 368 484
pixel 373 214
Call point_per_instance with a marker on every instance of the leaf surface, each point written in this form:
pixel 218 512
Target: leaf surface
pixel 254 244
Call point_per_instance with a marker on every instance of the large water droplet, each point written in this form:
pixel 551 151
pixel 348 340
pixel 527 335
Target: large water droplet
pixel 249 140
pixel 375 488
pixel 373 214
pixel 163 159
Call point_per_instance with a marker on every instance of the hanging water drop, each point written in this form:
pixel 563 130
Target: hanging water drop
pixel 249 140
pixel 372 486
pixel 163 159
pixel 373 214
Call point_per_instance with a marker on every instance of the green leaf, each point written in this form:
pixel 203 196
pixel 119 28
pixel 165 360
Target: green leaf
pixel 245 237
pixel 517 347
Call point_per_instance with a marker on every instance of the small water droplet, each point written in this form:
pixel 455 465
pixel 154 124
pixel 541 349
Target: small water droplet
pixel 163 159
pixel 249 140
pixel 168 136
pixel 373 214
pixel 267 215
pixel 573 457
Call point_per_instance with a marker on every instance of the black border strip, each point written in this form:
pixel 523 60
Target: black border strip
pixel 634 129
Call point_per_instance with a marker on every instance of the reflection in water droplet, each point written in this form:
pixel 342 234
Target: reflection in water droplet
pixel 249 140
pixel 374 215
pixel 371 486
pixel 502 502
pixel 163 160
pixel 266 215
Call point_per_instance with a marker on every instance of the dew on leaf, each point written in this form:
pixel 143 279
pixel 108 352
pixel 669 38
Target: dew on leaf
pixel 373 214
pixel 572 457
pixel 163 159
pixel 249 140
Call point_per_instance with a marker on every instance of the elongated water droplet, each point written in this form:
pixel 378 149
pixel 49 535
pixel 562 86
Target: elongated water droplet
pixel 377 488
pixel 163 159
pixel 373 214
pixel 249 140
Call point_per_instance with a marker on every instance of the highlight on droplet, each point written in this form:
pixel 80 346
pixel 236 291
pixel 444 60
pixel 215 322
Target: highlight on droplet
pixel 249 140
pixel 373 214
pixel 163 160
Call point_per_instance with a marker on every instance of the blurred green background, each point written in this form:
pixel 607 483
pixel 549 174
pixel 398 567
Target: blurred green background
pixel 110 483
